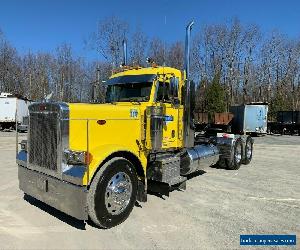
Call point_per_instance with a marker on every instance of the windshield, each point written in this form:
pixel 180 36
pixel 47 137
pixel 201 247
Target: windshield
pixel 125 92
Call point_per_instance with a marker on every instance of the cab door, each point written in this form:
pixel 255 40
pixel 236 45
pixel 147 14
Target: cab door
pixel 167 94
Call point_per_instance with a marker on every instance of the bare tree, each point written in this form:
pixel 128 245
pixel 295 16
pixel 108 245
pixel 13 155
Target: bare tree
pixel 9 68
pixel 107 40
pixel 175 55
pixel 138 45
pixel 245 64
pixel 157 51
pixel 98 73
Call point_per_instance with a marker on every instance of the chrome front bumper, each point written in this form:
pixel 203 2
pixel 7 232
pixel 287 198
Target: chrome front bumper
pixel 64 196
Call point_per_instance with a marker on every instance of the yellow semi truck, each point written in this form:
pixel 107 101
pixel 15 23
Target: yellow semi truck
pixel 95 160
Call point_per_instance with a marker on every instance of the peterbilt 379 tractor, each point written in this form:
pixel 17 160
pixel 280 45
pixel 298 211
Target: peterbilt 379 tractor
pixel 93 161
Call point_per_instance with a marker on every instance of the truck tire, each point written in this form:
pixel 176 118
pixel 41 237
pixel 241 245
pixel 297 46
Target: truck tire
pixel 248 150
pixel 236 159
pixel 112 193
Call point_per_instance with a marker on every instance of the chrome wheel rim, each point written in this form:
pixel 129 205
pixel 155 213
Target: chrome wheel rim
pixel 238 154
pixel 118 193
pixel 249 150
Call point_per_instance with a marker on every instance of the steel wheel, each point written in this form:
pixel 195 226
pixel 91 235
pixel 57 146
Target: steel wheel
pixel 248 150
pixel 118 193
pixel 237 155
pixel 112 193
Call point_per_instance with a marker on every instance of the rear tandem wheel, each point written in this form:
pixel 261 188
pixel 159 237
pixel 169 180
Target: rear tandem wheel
pixel 248 150
pixel 237 156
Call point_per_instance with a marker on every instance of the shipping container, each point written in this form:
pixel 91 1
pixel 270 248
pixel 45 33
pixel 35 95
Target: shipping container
pixel 250 118
pixel 287 117
pixel 287 122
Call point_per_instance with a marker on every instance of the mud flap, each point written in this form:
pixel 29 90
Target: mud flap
pixel 141 192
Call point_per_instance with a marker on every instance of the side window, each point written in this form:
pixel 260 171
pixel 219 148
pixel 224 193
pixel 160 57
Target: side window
pixel 163 92
pixel 174 86
pixel 168 91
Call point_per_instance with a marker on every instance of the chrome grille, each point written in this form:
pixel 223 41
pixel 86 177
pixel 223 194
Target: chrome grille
pixel 43 139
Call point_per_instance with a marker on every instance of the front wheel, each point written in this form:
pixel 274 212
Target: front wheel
pixel 112 193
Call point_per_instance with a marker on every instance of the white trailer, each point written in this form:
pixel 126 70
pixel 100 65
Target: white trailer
pixel 11 107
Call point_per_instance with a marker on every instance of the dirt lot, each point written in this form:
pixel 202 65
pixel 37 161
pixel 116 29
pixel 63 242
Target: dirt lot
pixel 218 206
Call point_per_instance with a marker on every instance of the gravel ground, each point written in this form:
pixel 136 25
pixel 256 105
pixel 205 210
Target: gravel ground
pixel 218 206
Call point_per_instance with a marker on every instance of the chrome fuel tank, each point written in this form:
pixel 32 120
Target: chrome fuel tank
pixel 198 157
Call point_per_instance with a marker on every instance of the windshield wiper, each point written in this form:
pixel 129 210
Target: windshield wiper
pixel 133 99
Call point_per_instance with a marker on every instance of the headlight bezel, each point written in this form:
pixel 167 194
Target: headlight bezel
pixel 75 157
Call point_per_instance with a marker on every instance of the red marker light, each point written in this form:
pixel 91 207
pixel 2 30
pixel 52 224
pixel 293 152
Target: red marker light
pixel 101 122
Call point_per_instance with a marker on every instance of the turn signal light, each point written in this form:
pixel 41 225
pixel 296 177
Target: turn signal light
pixel 23 144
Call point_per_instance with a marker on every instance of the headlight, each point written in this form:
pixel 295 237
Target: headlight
pixel 75 157
pixel 23 144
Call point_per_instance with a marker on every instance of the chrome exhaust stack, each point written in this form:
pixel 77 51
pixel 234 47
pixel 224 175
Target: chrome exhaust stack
pixel 187 49
pixel 124 53
pixel 188 94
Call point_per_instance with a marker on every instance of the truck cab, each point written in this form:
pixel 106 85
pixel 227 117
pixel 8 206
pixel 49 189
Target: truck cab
pixel 95 160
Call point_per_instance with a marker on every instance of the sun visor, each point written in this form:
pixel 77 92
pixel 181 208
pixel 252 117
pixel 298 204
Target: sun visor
pixel 131 79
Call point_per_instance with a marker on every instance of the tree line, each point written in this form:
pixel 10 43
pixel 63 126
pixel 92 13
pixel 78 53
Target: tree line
pixel 231 63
